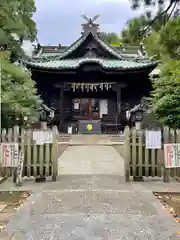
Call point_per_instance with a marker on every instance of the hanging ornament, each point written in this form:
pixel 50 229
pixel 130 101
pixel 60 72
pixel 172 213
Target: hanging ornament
pixel 91 87
pixel 101 86
pixel 82 87
pixel 77 85
pixel 73 87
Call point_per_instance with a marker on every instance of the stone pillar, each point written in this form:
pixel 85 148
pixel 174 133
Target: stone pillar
pixel 44 126
pixel 138 125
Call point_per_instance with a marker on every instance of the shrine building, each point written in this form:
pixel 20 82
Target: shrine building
pixel 90 81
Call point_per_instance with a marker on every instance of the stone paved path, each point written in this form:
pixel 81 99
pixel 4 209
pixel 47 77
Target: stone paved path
pixel 83 208
pixel 91 160
pixel 95 206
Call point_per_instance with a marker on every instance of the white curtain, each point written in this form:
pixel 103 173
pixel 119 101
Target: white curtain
pixel 103 107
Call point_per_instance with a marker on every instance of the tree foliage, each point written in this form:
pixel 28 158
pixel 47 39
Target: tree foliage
pixel 166 94
pixel 169 38
pixel 111 38
pixel 131 34
pixel 16 25
pixel 166 10
pixel 165 43
pixel 18 93
pixel 163 40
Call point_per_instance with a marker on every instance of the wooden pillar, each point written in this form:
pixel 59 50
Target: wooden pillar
pixel 119 101
pixel 118 104
pixel 61 106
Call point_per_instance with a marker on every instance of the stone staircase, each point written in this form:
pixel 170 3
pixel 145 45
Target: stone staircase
pixel 63 138
pixel 116 139
pixel 89 140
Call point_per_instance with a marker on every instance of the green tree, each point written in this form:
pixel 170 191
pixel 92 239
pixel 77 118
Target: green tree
pixel 131 34
pixel 111 38
pixel 16 25
pixel 153 46
pixel 165 42
pixel 18 93
pixel 170 38
pixel 166 10
pixel 166 94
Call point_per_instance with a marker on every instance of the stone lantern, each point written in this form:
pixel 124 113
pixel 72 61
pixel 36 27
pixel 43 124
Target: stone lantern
pixel 137 115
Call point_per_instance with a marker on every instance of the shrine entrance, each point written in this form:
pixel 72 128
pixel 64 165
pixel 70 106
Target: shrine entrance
pixel 89 107
pixel 86 107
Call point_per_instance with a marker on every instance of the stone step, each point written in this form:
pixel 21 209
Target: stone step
pixel 63 137
pixel 89 140
pixel 116 138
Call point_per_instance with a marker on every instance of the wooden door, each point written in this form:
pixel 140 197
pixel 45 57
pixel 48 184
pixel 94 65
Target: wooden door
pixel 86 107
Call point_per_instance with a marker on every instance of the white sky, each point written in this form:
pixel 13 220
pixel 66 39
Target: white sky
pixel 59 21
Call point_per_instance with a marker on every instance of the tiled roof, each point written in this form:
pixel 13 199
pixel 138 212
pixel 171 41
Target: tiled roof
pixel 155 72
pixel 65 52
pixel 61 59
pixel 75 63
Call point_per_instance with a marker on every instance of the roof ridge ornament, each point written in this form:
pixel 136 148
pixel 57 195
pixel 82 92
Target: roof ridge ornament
pixel 90 26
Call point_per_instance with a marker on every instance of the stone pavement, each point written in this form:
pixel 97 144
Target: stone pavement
pixel 96 205
pixel 90 160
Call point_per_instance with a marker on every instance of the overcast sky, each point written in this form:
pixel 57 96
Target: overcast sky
pixel 59 21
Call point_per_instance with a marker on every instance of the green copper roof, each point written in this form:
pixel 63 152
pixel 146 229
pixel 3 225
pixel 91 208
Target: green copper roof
pixel 155 72
pixel 75 63
pixel 62 58
pixel 64 53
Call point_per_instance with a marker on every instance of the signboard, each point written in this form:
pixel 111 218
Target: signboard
pixel 20 168
pixel 153 139
pixel 9 154
pixel 172 155
pixel 42 137
pixel 69 130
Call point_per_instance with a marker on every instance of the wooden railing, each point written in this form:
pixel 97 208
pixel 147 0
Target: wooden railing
pixel 39 159
pixel 141 162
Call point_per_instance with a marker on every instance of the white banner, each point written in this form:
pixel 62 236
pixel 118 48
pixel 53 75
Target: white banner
pixel 172 155
pixel 9 154
pixel 153 139
pixel 43 137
